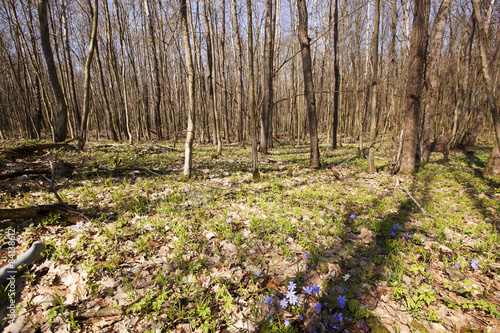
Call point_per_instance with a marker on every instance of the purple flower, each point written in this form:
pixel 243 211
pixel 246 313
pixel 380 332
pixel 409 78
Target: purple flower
pixel 315 288
pixel 352 216
pixel 308 290
pixel 318 307
pixel 228 220
pixel 291 286
pixel 301 317
pixel 473 263
pixel 338 316
pixel 392 233
pixel 422 240
pixel 287 323
pixel 457 266
pixel 258 272
pixel 268 300
pixel 341 300
pixel 306 255
pixel 396 227
pixel 283 303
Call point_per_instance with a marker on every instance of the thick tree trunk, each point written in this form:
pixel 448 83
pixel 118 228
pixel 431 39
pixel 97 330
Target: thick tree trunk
pixel 373 90
pixel 436 44
pixel 268 77
pixel 305 50
pixel 336 70
pixel 414 86
pixel 188 159
pixel 86 86
pixel 61 130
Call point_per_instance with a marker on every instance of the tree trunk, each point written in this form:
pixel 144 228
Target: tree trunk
pixel 495 156
pixel 336 70
pixel 436 44
pixel 62 115
pixel 239 73
pixel 373 90
pixel 86 86
pixel 414 86
pixel 267 70
pixel 251 94
pixel 188 160
pixel 305 49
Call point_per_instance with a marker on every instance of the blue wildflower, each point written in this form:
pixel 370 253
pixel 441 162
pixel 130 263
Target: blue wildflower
pixel 258 272
pixel 473 263
pixel 306 255
pixel 315 288
pixel 396 227
pixel 422 240
pixel 339 316
pixel 457 266
pixel 318 306
pixel 392 233
pixel 352 216
pixel 291 286
pixel 301 317
pixel 268 300
pixel 287 323
pixel 228 220
pixel 308 290
pixel 283 303
pixel 341 300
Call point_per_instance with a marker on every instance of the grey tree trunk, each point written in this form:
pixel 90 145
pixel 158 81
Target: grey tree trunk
pixel 436 44
pixel 267 71
pixel 305 49
pixel 86 86
pixel 373 90
pixel 251 94
pixel 336 70
pixel 188 157
pixel 414 86
pixel 239 73
pixel 61 130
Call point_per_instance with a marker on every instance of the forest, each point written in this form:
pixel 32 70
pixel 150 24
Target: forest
pixel 250 166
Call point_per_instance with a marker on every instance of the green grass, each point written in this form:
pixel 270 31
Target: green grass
pixel 202 241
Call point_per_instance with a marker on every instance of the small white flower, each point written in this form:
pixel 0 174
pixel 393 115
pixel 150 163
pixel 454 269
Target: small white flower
pixel 346 277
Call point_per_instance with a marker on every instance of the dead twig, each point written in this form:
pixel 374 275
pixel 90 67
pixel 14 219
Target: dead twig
pixel 411 197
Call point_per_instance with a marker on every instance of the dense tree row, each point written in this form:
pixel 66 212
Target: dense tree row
pixel 413 71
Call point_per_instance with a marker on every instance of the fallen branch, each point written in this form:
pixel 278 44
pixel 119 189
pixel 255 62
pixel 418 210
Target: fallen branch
pixel 411 197
pixel 14 152
pixel 36 211
pixel 16 174
pixel 115 172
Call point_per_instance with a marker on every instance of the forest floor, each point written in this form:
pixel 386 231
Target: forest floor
pixel 303 250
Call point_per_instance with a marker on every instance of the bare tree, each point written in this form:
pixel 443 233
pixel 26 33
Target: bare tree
pixel 305 49
pixel 493 163
pixel 188 159
pixel 251 94
pixel 239 72
pixel 267 76
pixel 373 90
pixel 414 85
pixel 86 87
pixel 61 130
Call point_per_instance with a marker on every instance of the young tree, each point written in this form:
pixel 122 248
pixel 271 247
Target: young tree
pixel 251 94
pixel 86 86
pixel 305 49
pixel 188 159
pixel 493 163
pixel 373 90
pixel 61 130
pixel 414 85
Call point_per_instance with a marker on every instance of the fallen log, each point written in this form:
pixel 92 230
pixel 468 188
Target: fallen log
pixel 15 152
pixel 36 211
pixel 15 174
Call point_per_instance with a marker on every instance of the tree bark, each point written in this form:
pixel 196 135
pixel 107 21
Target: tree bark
pixel 493 163
pixel 86 86
pixel 373 90
pixel 251 94
pixel 267 71
pixel 188 159
pixel 336 70
pixel 436 44
pixel 414 86
pixel 239 73
pixel 305 49
pixel 61 130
